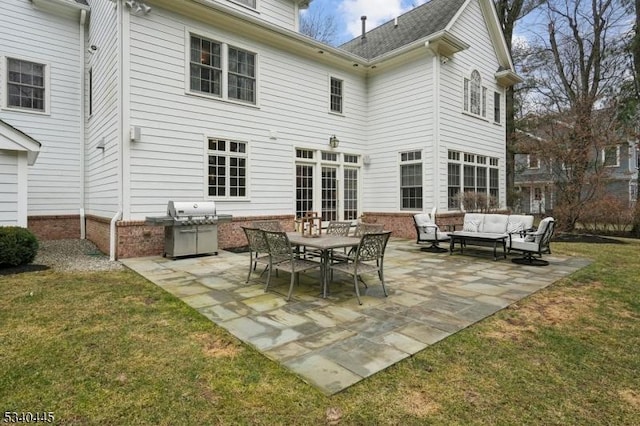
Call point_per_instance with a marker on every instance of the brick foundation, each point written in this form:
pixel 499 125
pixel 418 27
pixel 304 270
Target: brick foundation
pixel 54 227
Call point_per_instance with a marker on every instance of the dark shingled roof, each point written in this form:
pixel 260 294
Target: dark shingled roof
pixel 416 24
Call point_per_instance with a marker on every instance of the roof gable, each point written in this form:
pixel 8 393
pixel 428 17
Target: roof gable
pixel 419 23
pixel 13 139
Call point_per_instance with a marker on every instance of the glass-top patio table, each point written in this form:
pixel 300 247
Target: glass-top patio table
pixel 325 243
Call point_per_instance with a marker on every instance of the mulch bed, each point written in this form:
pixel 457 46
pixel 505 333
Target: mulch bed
pixel 585 238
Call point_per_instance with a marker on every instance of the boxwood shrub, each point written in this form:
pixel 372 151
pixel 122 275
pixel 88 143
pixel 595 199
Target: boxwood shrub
pixel 18 246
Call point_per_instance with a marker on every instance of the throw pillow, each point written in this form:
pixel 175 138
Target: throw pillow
pixel 471 226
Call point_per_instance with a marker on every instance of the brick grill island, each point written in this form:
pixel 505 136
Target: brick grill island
pixel 190 228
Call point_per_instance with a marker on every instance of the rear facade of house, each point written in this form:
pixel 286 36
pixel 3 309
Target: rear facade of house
pixel 126 105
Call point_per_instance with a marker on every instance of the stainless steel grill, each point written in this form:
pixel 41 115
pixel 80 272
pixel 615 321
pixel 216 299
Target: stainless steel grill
pixel 191 227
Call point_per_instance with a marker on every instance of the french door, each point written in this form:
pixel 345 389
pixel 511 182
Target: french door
pixel 327 183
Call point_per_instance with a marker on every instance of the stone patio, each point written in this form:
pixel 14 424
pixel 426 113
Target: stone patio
pixel 333 343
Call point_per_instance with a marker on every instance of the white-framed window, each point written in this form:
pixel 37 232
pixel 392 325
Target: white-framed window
pixel 471 173
pixel 497 108
pixel 475 95
pixel 227 169
pixel 27 85
pixel 411 180
pixel 327 182
pixel 220 70
pixel 533 161
pixel 335 101
pixel 611 156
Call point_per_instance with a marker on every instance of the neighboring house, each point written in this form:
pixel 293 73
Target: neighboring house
pixel 136 103
pixel 534 177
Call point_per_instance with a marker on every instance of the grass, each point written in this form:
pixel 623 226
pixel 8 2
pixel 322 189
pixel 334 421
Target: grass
pixel 112 348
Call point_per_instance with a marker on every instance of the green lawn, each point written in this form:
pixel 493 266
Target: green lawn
pixel 112 348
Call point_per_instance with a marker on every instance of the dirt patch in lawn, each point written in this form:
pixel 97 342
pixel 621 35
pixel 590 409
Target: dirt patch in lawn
pixel 545 309
pixel 216 347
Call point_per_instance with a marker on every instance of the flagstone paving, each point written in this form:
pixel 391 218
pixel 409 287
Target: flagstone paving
pixel 334 343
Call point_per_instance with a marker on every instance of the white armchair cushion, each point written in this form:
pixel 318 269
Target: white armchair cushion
pixel 473 222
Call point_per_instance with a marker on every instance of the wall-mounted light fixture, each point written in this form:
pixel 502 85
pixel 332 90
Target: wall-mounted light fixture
pixel 138 7
pixel 92 49
pixel 334 142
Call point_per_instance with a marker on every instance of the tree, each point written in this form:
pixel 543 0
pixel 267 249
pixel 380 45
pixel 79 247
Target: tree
pixel 320 25
pixel 509 12
pixel 576 71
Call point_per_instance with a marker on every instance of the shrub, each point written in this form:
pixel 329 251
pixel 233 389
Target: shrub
pixel 18 246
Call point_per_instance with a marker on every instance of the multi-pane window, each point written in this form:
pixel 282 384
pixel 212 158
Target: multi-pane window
pixel 304 189
pixel 350 193
pixel 207 67
pixel 227 168
pixel 496 107
pixel 533 161
pixel 470 173
pixel 475 96
pixel 242 75
pixel 611 156
pixel 336 95
pixel 25 85
pixel 329 198
pixel 411 180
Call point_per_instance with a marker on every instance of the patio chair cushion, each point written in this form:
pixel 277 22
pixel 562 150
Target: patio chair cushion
pixel 495 223
pixel 519 223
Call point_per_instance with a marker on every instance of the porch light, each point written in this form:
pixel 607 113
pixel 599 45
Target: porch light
pixel 333 142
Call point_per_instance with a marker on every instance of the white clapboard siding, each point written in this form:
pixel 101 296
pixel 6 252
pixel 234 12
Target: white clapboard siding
pixel 42 37
pixel 101 171
pixel 279 12
pixel 8 188
pixel 293 94
pixel 400 119
pixel 460 131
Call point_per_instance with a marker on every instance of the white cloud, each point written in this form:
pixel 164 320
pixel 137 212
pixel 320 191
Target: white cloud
pixel 377 12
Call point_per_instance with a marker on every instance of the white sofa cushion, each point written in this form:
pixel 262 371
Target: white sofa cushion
pixel 518 223
pixel 473 222
pixel 495 224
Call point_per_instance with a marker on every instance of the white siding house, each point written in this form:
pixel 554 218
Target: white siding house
pixel 157 100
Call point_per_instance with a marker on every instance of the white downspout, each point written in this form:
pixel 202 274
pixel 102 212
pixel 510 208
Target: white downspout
pixel 83 230
pixel 112 235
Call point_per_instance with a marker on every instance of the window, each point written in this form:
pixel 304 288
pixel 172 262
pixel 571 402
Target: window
pixel 611 156
pixel 26 85
pixel 411 180
pixel 227 169
pixel 350 193
pixel 496 107
pixel 336 95
pixel 206 69
pixel 472 175
pixel 475 96
pixel 250 3
pixel 242 75
pixel 90 91
pixel 533 162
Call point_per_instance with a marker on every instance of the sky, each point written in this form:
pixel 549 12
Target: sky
pixel 348 13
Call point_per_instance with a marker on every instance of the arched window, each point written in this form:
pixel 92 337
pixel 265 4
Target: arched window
pixel 475 95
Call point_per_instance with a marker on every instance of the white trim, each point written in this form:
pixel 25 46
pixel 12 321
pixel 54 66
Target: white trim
pixel 435 160
pixel 604 155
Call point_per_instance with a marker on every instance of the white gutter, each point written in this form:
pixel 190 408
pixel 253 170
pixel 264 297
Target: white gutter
pixel 83 230
pixel 112 235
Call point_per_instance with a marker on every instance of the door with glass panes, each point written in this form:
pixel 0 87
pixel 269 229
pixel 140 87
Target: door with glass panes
pixel 327 183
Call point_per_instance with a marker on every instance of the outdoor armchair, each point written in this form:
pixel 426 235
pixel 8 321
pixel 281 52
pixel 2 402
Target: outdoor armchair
pixel 428 232
pixel 533 244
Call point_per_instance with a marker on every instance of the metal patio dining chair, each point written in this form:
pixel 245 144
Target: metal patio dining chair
pixel 258 249
pixel 284 257
pixel 267 225
pixel 369 257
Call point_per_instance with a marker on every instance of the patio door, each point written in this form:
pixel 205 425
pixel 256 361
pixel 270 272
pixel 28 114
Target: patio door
pixel 327 183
